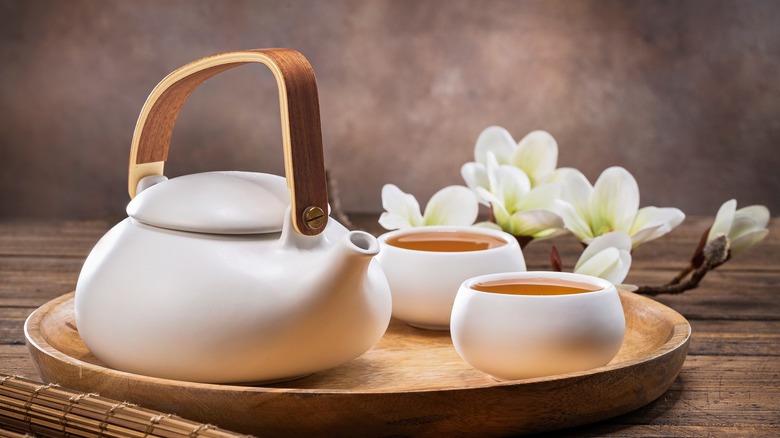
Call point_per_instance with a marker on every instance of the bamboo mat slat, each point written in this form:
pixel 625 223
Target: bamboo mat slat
pixel 27 406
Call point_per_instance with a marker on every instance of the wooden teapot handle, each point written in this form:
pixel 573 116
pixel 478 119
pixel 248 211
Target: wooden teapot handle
pixel 301 132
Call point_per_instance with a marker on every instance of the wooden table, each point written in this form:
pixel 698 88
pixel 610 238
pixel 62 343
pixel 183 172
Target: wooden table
pixel 729 385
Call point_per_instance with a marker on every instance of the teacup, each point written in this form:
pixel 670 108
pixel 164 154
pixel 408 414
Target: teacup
pixel 425 266
pixel 531 324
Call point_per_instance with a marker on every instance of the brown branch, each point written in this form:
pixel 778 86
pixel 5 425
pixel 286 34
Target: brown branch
pixel 684 273
pixel 714 254
pixel 677 287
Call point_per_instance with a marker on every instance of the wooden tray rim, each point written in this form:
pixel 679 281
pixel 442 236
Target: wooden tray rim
pixel 679 338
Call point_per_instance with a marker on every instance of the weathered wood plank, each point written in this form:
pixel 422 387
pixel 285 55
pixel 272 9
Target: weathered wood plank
pixel 61 239
pixel 617 430
pixel 15 360
pixel 712 396
pixel 31 281
pixel 718 391
pixel 722 295
pixel 735 338
pixel 12 324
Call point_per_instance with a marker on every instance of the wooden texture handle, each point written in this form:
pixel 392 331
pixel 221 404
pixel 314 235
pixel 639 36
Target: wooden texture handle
pixel 301 132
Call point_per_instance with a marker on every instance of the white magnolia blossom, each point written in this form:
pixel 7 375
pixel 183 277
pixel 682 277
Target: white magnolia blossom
pixel 743 227
pixel 608 256
pixel 612 204
pixel 517 208
pixel 453 205
pixel 536 155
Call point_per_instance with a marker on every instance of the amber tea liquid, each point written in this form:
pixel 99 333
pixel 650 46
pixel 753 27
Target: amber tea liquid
pixel 446 241
pixel 535 286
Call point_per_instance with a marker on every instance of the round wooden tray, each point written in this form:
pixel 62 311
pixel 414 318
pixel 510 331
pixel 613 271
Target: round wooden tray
pixel 411 383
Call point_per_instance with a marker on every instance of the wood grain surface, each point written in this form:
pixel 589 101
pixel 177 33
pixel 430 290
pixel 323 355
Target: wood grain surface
pixel 728 385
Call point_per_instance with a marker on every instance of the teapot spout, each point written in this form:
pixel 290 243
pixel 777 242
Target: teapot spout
pixel 360 244
pixel 349 259
pixel 351 275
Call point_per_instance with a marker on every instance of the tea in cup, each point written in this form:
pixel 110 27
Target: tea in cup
pixel 426 265
pixel 531 324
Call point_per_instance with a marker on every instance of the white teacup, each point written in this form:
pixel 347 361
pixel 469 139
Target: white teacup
pixel 425 266
pixel 515 332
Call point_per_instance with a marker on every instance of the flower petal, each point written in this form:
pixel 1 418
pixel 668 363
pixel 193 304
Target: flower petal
pixel 475 175
pixel 599 263
pixel 551 233
pixel 615 239
pixel 537 155
pixel 541 223
pixel 620 272
pixel 649 233
pixel 627 287
pixel 614 202
pixel 390 221
pixel 748 219
pixel 488 225
pixel 610 264
pixel 748 227
pixel 723 219
pixel 492 167
pixel 497 140
pixel 510 184
pixel 745 241
pixel 452 205
pixel 560 174
pixel 501 216
pixel 573 221
pixel 401 204
pixel 541 197
pixel 577 191
pixel 653 222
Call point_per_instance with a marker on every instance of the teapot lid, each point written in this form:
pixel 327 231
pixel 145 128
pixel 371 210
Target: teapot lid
pixel 214 202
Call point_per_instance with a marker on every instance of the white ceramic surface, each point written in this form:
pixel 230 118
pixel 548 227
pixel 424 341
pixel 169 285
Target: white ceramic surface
pixel 213 202
pixel 524 336
pixel 229 308
pixel 424 283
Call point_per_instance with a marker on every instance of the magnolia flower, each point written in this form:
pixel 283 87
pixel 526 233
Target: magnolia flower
pixel 608 256
pixel 453 205
pixel 743 227
pixel 612 204
pixel 517 208
pixel 536 155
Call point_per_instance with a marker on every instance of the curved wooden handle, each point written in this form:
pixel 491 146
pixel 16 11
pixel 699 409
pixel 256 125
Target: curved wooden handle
pixel 301 131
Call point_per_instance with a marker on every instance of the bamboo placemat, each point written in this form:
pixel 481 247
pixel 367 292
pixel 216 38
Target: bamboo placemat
pixel 29 407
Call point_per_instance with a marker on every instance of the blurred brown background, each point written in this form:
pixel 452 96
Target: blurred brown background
pixel 684 94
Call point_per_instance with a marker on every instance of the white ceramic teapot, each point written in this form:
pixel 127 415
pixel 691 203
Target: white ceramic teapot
pixel 229 277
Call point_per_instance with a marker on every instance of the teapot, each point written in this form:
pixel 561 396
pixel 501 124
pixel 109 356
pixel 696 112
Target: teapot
pixel 231 277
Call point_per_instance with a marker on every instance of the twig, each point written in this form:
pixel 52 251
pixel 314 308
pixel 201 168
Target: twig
pixel 678 286
pixel 684 273
pixel 715 253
